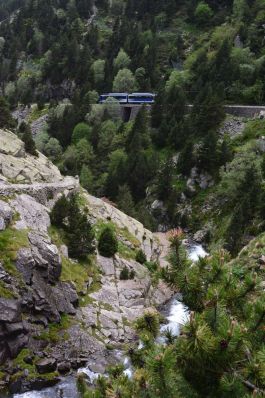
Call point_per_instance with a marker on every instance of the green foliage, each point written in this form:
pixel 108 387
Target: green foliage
pixel 5 115
pixel 148 324
pixel 11 240
pixel 203 13
pixel 25 132
pixel 107 243
pixel 140 257
pixel 124 81
pixel 81 130
pixel 79 234
pixel 122 60
pixel 126 274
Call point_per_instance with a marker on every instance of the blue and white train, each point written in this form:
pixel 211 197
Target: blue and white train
pixel 125 98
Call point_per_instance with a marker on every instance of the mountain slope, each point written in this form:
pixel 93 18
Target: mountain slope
pixel 50 302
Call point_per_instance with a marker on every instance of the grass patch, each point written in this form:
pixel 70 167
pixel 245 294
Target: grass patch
pixel 73 271
pixel 11 241
pixel 19 362
pixel 5 291
pixel 57 331
pixel 126 252
pixel 123 250
pixel 36 113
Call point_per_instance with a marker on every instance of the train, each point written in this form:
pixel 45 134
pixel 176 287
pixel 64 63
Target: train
pixel 126 98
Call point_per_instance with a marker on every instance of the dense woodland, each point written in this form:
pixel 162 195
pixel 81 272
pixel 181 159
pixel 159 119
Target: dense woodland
pixel 60 55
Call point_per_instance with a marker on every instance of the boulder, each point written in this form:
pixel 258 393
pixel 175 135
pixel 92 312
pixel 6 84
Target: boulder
pixel 33 215
pixel 106 265
pixel 64 251
pixel 46 365
pixel 10 310
pixel 25 264
pixel 16 344
pixel 2 224
pixel 4 276
pixel 6 212
pixel 64 367
pixel 10 144
pixel 17 165
pixel 46 256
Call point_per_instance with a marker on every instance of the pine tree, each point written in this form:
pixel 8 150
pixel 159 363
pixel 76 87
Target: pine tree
pixel 125 201
pixel 107 243
pixel 5 115
pixel 60 211
pixel 140 257
pixel 25 131
pixel 79 232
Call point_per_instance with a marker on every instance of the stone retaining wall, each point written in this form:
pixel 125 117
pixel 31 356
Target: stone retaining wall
pixel 248 111
pixel 42 192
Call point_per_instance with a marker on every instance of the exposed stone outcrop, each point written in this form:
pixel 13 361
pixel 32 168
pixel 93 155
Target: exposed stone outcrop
pixel 13 335
pixel 101 210
pixel 41 295
pixel 16 165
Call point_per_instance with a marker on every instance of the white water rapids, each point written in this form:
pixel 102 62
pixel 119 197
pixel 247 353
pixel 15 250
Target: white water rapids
pixel 176 315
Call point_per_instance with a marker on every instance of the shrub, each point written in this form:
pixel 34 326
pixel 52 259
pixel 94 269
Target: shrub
pixel 203 13
pixel 152 266
pixel 108 243
pixel 124 275
pixel 81 130
pixel 78 232
pixel 60 211
pixel 140 257
pixel 132 274
pixel 30 146
pixel 148 323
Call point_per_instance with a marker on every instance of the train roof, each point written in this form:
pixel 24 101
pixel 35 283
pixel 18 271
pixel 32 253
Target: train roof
pixel 147 94
pixel 140 94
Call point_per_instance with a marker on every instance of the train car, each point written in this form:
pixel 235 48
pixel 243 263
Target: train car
pixel 141 98
pixel 121 97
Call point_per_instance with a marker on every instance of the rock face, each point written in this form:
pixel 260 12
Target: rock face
pixel 38 291
pixel 16 165
pixel 12 330
pixel 101 210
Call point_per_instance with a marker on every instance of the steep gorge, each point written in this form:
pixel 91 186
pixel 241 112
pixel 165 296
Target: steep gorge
pixel 58 314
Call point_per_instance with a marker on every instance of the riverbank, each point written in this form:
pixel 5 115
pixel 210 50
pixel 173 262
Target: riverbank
pixel 175 313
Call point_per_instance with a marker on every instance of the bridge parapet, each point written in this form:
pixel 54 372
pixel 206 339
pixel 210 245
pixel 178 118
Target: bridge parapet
pixel 130 111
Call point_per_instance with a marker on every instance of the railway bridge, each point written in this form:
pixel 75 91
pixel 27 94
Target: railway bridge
pixel 129 111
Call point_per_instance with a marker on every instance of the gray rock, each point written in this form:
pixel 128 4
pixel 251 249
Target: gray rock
pixel 25 264
pixel 157 205
pixel 106 265
pixel 64 367
pixel 10 310
pixel 2 224
pixel 64 251
pixel 6 212
pixel 33 215
pixel 46 256
pixel 46 365
pixel 4 276
pixel 16 344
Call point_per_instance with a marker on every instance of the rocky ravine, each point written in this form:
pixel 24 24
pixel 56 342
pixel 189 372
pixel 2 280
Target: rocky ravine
pixel 56 314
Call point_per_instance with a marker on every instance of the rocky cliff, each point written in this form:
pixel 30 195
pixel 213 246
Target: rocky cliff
pixel 57 314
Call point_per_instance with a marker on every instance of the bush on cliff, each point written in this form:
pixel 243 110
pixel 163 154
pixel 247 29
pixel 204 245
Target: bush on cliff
pixel 60 211
pixel 26 135
pixel 108 243
pixel 78 232
pixel 140 257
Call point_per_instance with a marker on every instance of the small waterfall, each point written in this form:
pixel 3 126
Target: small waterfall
pixel 176 315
